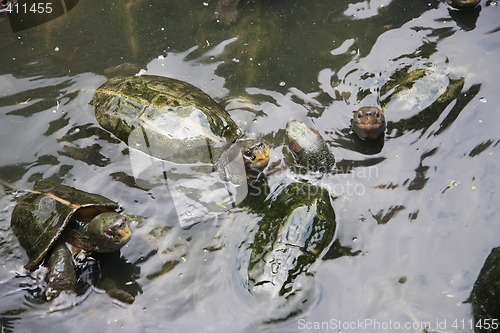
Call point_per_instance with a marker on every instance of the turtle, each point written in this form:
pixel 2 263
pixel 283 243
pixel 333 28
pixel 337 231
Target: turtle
pixel 47 218
pixel 296 230
pixel 308 147
pixel 165 118
pixel 198 149
pixel 368 122
pixel 297 226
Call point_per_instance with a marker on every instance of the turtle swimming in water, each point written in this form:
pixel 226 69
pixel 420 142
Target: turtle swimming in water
pixel 166 118
pixel 175 122
pixel 368 122
pixel 47 218
pixel 296 229
pixel 172 120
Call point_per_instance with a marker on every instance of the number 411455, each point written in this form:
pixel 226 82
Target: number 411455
pixel 36 8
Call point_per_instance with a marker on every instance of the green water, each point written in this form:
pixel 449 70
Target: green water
pixel 416 216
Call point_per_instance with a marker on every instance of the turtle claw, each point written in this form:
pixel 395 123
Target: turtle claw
pixel 110 287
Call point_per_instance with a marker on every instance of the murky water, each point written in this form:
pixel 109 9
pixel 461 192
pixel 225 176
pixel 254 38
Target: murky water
pixel 416 217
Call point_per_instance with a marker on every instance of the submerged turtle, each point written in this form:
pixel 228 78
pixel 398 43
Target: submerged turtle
pixel 298 226
pixel 308 147
pixel 368 122
pixel 45 219
pixel 165 118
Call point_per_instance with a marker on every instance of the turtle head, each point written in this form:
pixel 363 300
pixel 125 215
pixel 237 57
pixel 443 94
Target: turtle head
pixel 110 231
pixel 256 157
pixel 368 122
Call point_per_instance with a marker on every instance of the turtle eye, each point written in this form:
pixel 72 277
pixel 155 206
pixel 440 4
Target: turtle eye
pixel 360 115
pixel 110 231
pixel 249 154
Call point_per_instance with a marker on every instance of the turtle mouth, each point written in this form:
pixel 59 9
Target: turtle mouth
pixel 121 234
pixel 368 118
pixel 368 130
pixel 373 125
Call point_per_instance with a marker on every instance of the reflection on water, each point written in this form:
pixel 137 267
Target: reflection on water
pixel 420 242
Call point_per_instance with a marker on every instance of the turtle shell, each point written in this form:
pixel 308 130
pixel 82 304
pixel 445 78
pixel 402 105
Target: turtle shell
pixel 41 216
pixel 308 147
pixel 165 118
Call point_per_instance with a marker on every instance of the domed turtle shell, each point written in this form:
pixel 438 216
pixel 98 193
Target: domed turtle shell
pixel 165 118
pixel 308 147
pixel 41 216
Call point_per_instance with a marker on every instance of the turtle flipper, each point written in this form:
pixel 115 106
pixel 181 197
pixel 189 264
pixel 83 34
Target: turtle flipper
pixel 61 275
pixel 113 290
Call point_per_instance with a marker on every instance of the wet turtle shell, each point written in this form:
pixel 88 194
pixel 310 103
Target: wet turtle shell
pixel 297 228
pixel 308 147
pixel 165 118
pixel 41 216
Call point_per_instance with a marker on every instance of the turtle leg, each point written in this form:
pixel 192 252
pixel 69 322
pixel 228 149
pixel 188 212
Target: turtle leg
pixel 117 277
pixel 113 290
pixel 62 274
